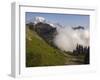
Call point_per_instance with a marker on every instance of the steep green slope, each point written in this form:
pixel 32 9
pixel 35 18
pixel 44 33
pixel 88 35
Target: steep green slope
pixel 39 53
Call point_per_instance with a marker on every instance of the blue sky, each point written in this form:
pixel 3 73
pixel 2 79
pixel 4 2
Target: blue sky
pixel 71 20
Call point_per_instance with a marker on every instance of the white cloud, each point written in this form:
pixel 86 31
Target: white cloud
pixel 67 38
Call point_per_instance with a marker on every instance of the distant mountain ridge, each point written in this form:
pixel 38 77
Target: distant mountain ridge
pixel 46 31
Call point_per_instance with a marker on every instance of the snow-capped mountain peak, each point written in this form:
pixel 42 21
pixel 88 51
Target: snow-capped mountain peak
pixel 39 19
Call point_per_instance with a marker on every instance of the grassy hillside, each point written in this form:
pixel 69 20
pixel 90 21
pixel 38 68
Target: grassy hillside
pixel 39 53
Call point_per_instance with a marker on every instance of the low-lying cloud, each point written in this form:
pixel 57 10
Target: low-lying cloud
pixel 67 38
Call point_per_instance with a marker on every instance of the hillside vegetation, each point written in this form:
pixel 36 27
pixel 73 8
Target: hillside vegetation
pixel 40 53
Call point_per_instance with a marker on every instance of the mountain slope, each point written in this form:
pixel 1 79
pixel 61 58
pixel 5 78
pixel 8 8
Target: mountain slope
pixel 46 31
pixel 40 53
